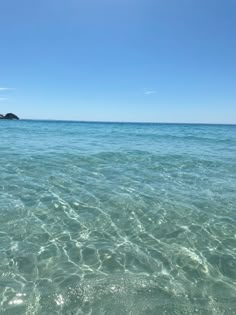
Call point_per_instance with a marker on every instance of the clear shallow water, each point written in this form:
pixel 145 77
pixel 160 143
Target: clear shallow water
pixel 117 218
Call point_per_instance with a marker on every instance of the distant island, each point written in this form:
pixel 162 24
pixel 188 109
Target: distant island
pixel 9 116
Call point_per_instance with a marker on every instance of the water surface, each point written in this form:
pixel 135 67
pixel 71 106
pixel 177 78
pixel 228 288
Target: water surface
pixel 100 218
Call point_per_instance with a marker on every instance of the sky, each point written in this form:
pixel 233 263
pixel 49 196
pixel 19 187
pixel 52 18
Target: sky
pixel 126 60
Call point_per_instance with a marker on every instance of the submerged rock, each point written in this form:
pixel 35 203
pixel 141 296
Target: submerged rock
pixel 9 116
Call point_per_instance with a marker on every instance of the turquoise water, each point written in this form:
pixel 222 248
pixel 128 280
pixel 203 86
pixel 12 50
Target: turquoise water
pixel 110 219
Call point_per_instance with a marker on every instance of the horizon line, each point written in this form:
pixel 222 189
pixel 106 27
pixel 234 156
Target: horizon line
pixel 126 122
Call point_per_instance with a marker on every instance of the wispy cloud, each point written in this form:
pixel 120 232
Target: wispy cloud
pixel 149 92
pixel 5 88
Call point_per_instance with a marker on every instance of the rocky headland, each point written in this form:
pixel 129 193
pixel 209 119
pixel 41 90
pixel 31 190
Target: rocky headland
pixel 9 116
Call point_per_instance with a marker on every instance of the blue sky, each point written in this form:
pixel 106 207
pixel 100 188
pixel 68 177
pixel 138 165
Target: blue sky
pixel 126 60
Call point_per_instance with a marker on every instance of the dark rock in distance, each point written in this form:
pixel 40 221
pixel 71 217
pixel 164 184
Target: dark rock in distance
pixel 9 116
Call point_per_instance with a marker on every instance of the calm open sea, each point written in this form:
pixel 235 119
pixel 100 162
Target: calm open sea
pixel 113 218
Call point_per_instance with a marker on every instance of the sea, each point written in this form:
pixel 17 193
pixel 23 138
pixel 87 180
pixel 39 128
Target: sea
pixel 117 218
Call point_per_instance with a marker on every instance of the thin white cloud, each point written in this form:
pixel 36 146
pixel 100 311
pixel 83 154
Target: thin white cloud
pixel 149 92
pixel 5 89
